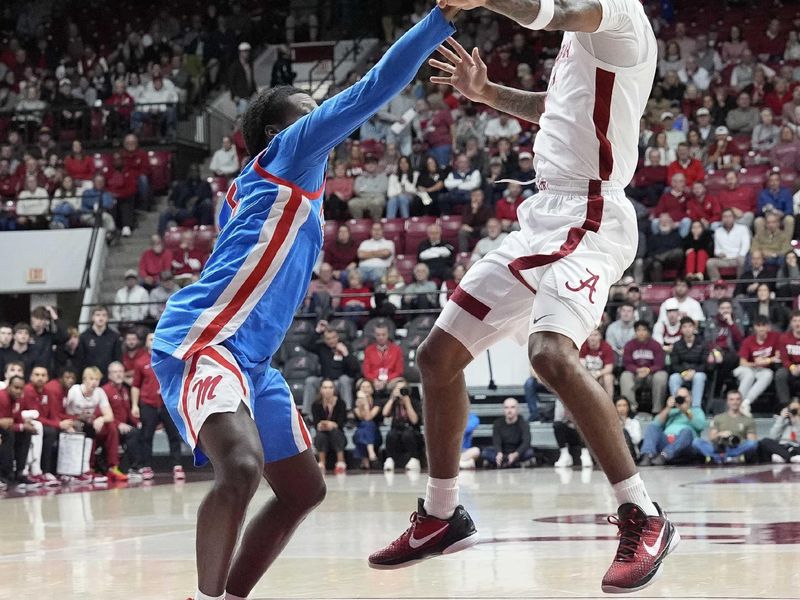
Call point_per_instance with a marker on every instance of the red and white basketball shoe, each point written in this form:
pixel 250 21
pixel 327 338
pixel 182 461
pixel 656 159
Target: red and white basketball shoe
pixel 644 542
pixel 427 537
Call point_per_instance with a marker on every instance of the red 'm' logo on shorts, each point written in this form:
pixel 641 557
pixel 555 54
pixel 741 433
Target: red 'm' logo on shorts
pixel 204 388
pixel 589 283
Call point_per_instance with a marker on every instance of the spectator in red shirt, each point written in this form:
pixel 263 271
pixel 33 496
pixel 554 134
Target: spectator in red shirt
pixel 383 361
pixel 598 357
pixel 650 180
pixel 154 261
pixel 724 336
pixel 134 354
pixel 780 95
pixel 502 68
pixel 78 164
pixel 771 44
pixel 148 406
pixel 673 202
pixel 742 201
pixel 787 378
pixel 758 356
pixel 57 390
pixel 702 207
pixel 187 261
pixel 643 359
pixel 342 254
pixel 506 207
pixel 137 162
pixel 121 182
pixel 356 297
pixel 120 105
pixel 15 435
pixel 9 182
pixel 127 425
pixel 785 155
pixel 691 168
pixel 438 130
pixel 38 406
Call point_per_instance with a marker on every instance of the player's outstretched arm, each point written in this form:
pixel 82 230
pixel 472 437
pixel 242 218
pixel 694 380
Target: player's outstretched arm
pixel 467 73
pixel 552 15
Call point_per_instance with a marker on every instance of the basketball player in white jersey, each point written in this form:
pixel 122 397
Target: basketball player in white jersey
pixel 548 283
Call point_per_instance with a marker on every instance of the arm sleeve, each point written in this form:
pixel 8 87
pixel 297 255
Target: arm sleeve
pixel 305 144
pixel 627 358
pixel 525 429
pixel 497 440
pixel 658 362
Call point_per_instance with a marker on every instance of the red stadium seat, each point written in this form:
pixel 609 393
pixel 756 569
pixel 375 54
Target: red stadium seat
pixel 360 229
pixel 752 177
pixel 329 233
pixel 656 293
pixel 405 266
pixel 451 225
pixel 395 230
pixel 172 237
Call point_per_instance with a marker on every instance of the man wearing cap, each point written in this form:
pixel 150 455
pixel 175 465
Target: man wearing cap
pixel 525 174
pixel 642 311
pixel 370 188
pixel 740 200
pixel 241 79
pixel 667 329
pixel 704 125
pixel 744 118
pixel 674 136
pixel 131 301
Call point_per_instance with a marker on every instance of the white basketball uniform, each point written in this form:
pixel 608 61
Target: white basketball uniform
pixel 579 233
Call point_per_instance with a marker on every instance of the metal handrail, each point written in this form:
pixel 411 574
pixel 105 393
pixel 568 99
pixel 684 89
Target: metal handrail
pixel 354 49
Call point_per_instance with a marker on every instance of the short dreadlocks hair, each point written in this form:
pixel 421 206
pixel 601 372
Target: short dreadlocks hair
pixel 268 108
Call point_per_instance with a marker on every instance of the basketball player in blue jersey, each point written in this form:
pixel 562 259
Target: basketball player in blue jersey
pixel 214 342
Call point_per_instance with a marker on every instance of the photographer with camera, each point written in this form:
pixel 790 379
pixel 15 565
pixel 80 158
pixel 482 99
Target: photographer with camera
pixel 732 437
pixel 688 362
pixel 783 442
pixel 669 437
pixel 404 443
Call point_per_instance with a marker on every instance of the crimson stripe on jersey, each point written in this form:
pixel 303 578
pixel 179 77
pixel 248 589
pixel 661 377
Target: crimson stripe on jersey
pixel 230 196
pixel 214 355
pixel 604 87
pixel 303 430
pixel 594 217
pixel 275 179
pixel 281 232
pixel 185 397
pixel 470 304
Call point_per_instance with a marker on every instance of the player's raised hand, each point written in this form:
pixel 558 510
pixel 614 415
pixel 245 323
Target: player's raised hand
pixel 465 72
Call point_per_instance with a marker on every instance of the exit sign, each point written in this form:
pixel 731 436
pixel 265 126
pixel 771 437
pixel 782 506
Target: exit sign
pixel 36 275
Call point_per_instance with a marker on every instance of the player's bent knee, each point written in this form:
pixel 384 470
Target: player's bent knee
pixel 551 358
pixel 240 474
pixel 441 356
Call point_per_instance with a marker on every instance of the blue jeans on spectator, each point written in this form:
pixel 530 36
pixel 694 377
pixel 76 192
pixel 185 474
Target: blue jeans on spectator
pixel 143 192
pixel 655 441
pixel 683 226
pixel 399 205
pixel 367 432
pixel 532 389
pixel 450 202
pixel 748 448
pixel 372 274
pixel 490 455
pixel 442 154
pixel 697 385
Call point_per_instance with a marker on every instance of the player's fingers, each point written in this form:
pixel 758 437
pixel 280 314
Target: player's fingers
pixel 444 80
pixel 459 49
pixel 441 65
pixel 449 54
pixel 476 57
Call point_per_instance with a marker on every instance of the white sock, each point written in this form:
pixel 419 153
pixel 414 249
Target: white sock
pixel 631 490
pixel 564 451
pixel 229 596
pixel 201 596
pixel 441 497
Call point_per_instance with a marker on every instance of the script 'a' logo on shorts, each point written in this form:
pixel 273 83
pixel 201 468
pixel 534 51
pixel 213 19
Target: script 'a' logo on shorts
pixel 589 283
pixel 204 389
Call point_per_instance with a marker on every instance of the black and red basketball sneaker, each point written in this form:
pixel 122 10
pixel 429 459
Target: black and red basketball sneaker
pixel 427 537
pixel 644 542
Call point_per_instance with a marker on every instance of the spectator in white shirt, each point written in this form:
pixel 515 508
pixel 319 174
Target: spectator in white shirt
pixel 693 73
pixel 683 302
pixel 375 254
pixel 33 204
pixel 161 293
pixel 731 245
pixel 225 162
pixel 494 238
pixel 502 126
pixel 131 304
pixel 159 102
pixel 459 183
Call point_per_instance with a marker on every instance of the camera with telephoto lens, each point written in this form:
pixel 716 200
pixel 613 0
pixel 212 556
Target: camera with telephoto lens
pixel 404 391
pixel 727 442
pixel 793 412
pixel 680 399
